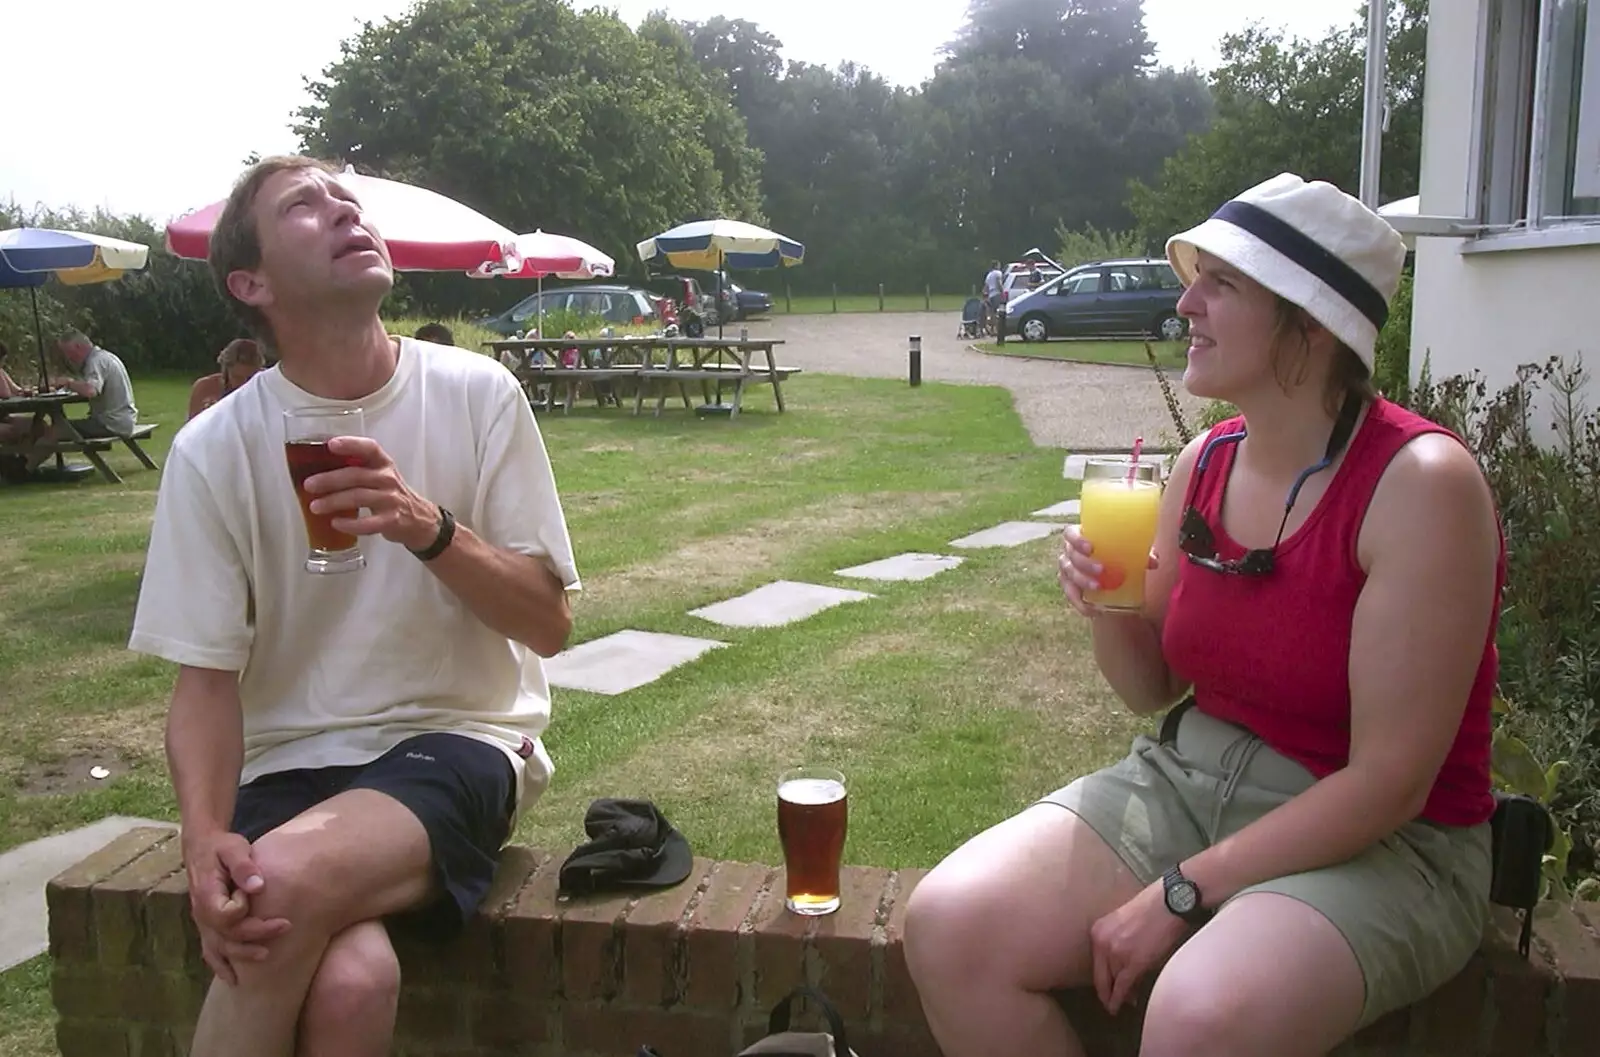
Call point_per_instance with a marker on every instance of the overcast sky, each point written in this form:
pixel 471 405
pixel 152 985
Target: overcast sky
pixel 151 106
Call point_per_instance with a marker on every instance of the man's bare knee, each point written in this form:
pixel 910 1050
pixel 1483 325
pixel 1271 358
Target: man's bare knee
pixel 355 990
pixel 357 857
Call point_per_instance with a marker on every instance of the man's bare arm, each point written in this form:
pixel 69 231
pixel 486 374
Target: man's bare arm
pixel 517 595
pixel 205 747
pixel 88 388
pixel 205 753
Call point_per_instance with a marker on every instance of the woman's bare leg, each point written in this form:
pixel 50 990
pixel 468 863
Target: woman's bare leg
pixel 1001 923
pixel 1268 977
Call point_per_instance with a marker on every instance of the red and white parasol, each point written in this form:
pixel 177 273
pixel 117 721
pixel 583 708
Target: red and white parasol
pixel 544 254
pixel 425 231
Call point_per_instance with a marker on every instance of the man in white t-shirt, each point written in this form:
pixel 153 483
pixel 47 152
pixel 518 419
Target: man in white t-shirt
pixel 349 751
pixel 993 285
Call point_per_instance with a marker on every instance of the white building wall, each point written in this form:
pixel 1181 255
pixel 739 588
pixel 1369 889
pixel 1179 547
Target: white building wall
pixel 1486 312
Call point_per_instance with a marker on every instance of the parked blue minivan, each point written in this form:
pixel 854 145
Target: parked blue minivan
pixel 1135 296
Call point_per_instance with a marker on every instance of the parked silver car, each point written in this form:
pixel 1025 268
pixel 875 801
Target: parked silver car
pixel 1134 296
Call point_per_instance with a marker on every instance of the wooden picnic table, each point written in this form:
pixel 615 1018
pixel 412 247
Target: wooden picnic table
pixel 68 439
pixel 53 406
pixel 634 358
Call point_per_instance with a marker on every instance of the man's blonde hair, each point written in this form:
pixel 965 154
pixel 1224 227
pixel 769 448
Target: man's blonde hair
pixel 240 350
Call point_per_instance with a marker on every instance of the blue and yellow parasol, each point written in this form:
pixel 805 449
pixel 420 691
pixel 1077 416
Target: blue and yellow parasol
pixel 29 257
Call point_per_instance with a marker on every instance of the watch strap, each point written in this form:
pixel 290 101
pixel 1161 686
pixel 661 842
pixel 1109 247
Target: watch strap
pixel 447 532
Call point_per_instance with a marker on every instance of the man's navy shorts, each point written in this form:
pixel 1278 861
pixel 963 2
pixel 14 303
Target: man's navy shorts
pixel 462 790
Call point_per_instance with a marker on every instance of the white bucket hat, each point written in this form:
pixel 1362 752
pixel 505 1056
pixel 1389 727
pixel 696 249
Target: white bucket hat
pixel 1311 244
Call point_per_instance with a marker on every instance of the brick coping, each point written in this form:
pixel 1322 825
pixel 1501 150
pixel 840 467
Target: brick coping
pixel 692 970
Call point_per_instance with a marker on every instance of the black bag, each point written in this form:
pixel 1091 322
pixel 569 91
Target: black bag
pixel 781 1042
pixel 1523 832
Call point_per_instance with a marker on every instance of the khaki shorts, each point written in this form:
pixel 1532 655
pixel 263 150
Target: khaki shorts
pixel 1413 907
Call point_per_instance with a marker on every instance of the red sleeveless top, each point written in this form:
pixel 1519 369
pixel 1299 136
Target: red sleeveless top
pixel 1272 653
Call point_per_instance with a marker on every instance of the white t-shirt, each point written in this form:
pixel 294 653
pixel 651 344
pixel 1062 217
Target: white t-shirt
pixel 338 669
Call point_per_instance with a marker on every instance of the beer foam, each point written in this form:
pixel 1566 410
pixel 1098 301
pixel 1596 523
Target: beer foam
pixel 811 791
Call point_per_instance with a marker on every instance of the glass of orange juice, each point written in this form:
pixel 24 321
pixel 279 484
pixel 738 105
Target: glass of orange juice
pixel 1117 515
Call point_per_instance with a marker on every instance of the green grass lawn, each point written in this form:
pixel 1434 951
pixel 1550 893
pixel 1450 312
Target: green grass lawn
pixel 1172 354
pixel 809 305
pixel 949 704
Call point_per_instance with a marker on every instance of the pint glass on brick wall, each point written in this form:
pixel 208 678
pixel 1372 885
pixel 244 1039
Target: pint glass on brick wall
pixel 813 815
pixel 306 432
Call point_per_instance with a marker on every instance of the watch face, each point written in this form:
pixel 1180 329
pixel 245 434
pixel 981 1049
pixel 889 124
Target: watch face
pixel 1180 897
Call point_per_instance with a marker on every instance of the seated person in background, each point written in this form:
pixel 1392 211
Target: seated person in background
pixel 238 362
pixel 10 429
pixel 8 385
pixel 100 376
pixel 1308 839
pixel 437 333
pixel 15 432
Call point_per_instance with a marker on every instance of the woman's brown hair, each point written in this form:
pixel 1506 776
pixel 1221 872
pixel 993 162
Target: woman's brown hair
pixel 1349 375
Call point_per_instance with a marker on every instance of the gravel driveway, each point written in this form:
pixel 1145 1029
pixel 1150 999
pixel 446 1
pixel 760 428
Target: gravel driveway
pixel 1063 405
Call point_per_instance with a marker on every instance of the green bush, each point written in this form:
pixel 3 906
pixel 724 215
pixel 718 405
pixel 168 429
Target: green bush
pixel 1092 244
pixel 1547 741
pixel 1391 372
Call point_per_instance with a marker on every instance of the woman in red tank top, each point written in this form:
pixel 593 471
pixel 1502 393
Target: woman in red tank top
pixel 1305 847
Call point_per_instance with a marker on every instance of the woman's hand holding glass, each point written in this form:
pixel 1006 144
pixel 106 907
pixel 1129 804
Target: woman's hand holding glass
pixel 1077 571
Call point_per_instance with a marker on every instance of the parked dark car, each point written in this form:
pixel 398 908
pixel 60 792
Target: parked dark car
pixel 749 303
pixel 1107 297
pixel 616 304
pixel 737 301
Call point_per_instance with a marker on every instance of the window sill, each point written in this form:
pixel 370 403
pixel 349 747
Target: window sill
pixel 1550 238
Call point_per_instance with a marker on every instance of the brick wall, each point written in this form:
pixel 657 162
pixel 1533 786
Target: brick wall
pixel 692 971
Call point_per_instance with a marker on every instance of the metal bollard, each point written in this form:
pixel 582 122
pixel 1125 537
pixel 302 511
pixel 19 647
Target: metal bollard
pixel 916 360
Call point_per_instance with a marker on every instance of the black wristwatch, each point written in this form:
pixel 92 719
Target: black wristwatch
pixel 447 532
pixel 1183 898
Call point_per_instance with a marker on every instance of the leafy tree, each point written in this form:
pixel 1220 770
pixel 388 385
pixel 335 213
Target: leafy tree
pixel 1093 244
pixel 1292 106
pixel 746 56
pixel 1090 43
pixel 1039 115
pixel 540 117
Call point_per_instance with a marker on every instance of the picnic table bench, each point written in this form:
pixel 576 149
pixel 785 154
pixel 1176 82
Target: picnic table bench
pixel 606 361
pixel 53 406
pixel 87 445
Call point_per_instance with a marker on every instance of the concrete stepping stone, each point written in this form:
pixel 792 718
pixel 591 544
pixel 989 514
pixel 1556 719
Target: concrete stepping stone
pixel 623 661
pixel 911 566
pixel 1067 508
pixel 24 871
pixel 776 604
pixel 1007 534
pixel 1072 469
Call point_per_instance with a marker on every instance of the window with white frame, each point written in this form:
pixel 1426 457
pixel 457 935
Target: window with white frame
pixel 1540 167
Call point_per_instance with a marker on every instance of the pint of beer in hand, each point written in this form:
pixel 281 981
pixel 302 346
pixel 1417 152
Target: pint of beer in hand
pixel 813 815
pixel 307 431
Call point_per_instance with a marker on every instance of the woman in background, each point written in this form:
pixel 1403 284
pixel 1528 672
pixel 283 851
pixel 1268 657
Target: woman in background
pixel 239 361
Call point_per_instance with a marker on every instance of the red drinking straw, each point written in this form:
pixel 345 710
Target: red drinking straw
pixel 1133 459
